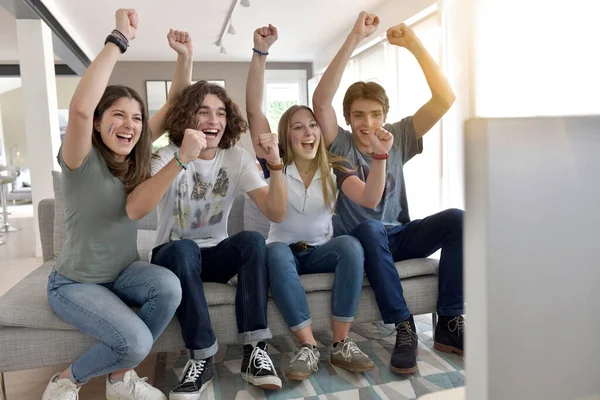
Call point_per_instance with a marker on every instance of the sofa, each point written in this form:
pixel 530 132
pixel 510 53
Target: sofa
pixel 20 189
pixel 32 336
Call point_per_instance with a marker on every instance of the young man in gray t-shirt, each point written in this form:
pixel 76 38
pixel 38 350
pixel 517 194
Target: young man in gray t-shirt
pixel 386 232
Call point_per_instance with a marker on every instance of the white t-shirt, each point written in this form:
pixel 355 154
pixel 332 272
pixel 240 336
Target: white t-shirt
pixel 307 219
pixel 198 203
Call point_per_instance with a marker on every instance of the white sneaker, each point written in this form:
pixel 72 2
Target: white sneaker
pixel 132 387
pixel 61 389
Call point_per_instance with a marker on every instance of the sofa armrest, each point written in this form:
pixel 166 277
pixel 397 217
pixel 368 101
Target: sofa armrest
pixel 46 224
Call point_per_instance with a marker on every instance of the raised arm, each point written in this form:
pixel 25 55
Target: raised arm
pixel 368 194
pixel 263 39
pixel 442 96
pixel 364 26
pixel 181 42
pixel 146 196
pixel 78 138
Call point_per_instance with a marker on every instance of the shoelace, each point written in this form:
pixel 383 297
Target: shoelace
pixel 260 359
pixel 459 325
pixel 404 335
pixel 307 354
pixel 66 389
pixel 194 371
pixel 138 386
pixel 350 348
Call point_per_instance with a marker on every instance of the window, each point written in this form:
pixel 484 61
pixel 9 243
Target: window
pixel 423 174
pixel 522 72
pixel 283 89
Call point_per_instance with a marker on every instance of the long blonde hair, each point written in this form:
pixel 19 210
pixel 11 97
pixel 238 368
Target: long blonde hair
pixel 325 160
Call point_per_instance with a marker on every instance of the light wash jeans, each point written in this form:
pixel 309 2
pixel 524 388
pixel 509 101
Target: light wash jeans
pixel 342 255
pixel 102 311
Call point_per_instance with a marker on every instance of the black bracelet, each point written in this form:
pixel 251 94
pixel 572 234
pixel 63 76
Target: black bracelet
pixel 121 44
pixel 261 53
pixel 118 32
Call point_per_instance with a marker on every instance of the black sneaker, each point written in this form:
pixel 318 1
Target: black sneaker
pixel 450 335
pixel 258 369
pixel 404 356
pixel 196 377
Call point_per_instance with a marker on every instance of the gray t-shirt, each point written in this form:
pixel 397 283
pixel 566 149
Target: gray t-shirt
pixel 393 207
pixel 101 239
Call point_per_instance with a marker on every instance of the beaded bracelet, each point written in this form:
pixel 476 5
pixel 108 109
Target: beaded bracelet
pixel 178 161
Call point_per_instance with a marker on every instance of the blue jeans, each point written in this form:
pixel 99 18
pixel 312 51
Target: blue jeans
pixel 243 254
pixel 103 312
pixel 417 239
pixel 342 255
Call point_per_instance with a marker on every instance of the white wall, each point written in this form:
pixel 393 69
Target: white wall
pixel 531 258
pixel 13 114
pixel 391 13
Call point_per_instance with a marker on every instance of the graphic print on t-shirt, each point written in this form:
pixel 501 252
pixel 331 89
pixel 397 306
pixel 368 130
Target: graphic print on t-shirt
pixel 390 186
pixel 201 207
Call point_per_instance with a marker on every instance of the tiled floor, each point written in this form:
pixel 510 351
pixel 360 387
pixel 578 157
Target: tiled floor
pixel 17 259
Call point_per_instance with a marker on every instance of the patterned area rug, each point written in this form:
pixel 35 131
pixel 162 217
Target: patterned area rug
pixel 437 370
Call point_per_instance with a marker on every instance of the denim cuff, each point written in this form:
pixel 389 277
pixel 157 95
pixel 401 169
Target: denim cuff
pixel 201 354
pixel 301 325
pixel 72 377
pixel 342 319
pixel 253 336
pixel 450 311
pixel 398 316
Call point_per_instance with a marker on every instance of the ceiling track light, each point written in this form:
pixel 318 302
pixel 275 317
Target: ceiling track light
pixel 227 25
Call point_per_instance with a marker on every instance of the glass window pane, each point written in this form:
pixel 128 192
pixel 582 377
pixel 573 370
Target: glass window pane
pixel 280 97
pixel 423 173
pixel 157 96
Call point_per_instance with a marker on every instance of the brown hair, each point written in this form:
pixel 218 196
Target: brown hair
pixel 324 159
pixel 365 90
pixel 136 167
pixel 183 114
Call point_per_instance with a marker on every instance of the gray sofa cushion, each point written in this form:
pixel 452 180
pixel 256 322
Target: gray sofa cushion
pixel 254 220
pixel 26 304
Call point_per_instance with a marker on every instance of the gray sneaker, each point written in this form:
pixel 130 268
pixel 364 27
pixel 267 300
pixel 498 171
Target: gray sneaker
pixel 304 363
pixel 347 355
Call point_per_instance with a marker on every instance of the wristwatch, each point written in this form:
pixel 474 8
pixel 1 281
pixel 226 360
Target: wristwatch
pixel 276 167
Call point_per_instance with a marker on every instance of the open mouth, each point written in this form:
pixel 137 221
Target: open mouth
pixel 211 133
pixel 309 145
pixel 125 138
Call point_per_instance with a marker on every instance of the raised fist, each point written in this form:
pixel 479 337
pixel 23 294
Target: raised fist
pixel 181 42
pixel 381 141
pixel 127 22
pixel 193 143
pixel 267 147
pixel 366 24
pixel 264 37
pixel 401 35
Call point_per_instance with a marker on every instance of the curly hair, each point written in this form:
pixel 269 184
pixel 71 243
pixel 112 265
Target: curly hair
pixel 136 168
pixel 184 114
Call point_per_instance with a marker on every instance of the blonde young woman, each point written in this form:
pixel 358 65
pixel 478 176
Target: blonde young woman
pixel 301 244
